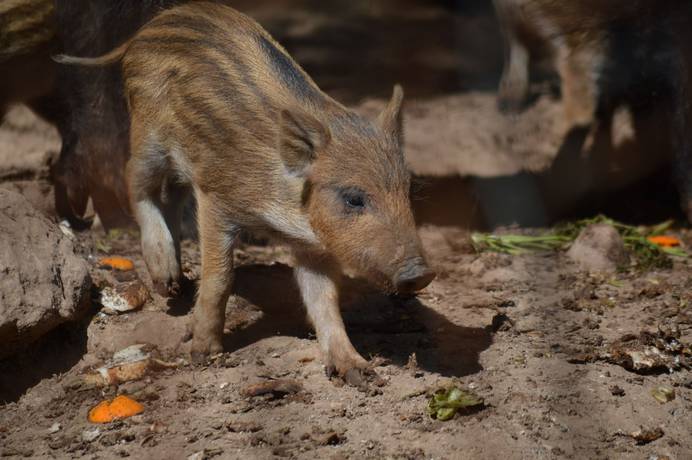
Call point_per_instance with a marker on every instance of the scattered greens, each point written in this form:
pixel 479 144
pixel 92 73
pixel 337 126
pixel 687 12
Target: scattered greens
pixel 105 244
pixel 646 253
pixel 663 394
pixel 518 244
pixel 444 403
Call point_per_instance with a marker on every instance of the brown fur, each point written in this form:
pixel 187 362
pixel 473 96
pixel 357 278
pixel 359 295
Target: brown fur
pixel 217 105
pixel 574 33
pixel 26 26
pixel 27 32
pixel 634 52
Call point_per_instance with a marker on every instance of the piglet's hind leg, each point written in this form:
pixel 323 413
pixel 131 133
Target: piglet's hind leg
pixel 216 245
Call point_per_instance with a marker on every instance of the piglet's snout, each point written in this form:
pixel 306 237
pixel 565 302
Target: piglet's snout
pixel 413 276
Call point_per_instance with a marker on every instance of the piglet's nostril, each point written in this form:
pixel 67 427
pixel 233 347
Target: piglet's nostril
pixel 414 278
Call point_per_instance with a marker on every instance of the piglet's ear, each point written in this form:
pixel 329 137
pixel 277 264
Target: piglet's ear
pixel 301 138
pixel 391 118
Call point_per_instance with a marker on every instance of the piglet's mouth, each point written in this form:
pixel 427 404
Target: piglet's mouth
pixel 413 276
pixel 410 278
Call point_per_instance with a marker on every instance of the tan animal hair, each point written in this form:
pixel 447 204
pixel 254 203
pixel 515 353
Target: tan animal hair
pixel 217 106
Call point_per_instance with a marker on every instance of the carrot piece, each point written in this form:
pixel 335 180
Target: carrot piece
pixel 664 241
pixel 120 407
pixel 117 263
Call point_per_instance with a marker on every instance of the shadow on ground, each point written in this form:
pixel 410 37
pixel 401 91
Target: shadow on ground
pixel 55 353
pixel 378 325
pixel 630 181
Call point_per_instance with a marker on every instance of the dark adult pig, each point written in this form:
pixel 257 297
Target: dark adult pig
pixel 27 39
pixel 95 128
pixel 607 53
pixel 217 106
pixel 87 106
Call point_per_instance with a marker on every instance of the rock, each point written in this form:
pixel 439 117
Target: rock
pixel 277 388
pixel 90 434
pixel 646 435
pixel 124 297
pixel 54 428
pixel 132 363
pixel 169 334
pixel 43 283
pixel 649 353
pixel 616 390
pixel 599 248
pixel 38 192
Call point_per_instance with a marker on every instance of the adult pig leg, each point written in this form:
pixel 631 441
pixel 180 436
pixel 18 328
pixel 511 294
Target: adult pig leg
pixel 71 191
pixel 514 84
pixel 578 68
pixel 682 115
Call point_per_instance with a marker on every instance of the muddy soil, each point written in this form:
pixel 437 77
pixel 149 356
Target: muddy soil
pixel 526 333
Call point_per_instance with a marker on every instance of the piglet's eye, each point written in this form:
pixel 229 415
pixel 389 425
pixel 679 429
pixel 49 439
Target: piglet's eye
pixel 353 199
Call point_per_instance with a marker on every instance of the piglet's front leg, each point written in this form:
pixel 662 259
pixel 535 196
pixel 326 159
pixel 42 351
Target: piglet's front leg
pixel 318 288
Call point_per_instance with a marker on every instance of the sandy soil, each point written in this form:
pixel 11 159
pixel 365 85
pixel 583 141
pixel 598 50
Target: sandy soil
pixel 517 330
pixel 526 333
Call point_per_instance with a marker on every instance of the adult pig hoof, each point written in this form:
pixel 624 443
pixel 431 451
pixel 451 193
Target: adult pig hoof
pixel 510 105
pixel 198 357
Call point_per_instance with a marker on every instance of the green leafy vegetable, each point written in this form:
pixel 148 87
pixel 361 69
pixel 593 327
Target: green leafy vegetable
pixel 518 244
pixel 444 403
pixel 646 254
pixel 663 394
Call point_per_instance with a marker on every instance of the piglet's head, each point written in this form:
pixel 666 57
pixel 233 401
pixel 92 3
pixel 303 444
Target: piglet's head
pixel 356 192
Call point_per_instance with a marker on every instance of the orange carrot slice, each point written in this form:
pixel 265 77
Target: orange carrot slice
pixel 117 263
pixel 119 408
pixel 664 241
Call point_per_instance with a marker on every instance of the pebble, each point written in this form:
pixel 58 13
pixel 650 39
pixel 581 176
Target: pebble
pixel 91 434
pixel 196 456
pixel 54 428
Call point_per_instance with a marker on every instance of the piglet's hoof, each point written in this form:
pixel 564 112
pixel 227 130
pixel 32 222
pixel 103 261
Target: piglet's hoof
pixel 359 377
pixel 167 289
pixel 204 346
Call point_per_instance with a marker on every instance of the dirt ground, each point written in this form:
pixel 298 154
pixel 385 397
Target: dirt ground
pixel 526 333
pixel 517 330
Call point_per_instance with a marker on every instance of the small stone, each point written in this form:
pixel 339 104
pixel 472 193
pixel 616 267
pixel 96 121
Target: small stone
pixel 54 428
pixel 599 248
pixel 243 427
pixel 91 434
pixel 277 388
pixel 124 298
pixel 331 438
pixel 645 436
pixel 616 391
pixel 196 456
